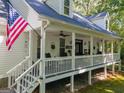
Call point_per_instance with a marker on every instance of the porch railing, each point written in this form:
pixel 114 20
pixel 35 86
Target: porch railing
pixel 116 57
pixel 109 58
pixel 57 65
pixel 82 61
pixel 14 73
pixel 63 64
pixel 29 80
pixel 98 59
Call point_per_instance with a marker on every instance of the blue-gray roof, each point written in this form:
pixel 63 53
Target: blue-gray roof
pixel 102 14
pixel 44 9
pixel 90 24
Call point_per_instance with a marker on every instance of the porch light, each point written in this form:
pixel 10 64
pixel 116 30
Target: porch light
pixel 1 39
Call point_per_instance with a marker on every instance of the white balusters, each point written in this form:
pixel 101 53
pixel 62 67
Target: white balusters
pixel 116 57
pixel 17 71
pixel 109 58
pixel 57 65
pixel 28 79
pixel 98 59
pixel 82 62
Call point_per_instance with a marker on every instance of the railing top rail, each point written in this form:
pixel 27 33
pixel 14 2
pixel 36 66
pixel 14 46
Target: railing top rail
pixel 99 55
pixel 116 53
pixel 11 70
pixel 83 56
pixel 108 54
pixel 27 70
pixel 58 58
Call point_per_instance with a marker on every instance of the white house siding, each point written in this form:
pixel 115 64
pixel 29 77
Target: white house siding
pixel 100 22
pixel 9 59
pixel 52 39
pixel 56 5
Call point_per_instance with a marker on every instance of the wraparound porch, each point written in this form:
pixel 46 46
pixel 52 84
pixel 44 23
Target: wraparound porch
pixel 63 54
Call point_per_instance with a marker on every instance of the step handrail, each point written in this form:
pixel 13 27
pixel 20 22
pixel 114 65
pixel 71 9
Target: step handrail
pixel 18 65
pixel 27 70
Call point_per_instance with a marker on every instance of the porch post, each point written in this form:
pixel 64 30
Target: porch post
pixel 90 77
pixel 30 47
pixel 42 57
pixel 72 84
pixel 91 55
pixel 113 64
pixel 104 56
pixel 91 50
pixel 119 52
pixel 73 62
pixel 73 51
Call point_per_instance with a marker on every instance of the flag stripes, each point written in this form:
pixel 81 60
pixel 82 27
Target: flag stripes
pixel 16 25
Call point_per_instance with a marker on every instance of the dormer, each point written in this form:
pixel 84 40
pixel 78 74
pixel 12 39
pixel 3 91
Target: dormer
pixel 101 19
pixel 63 7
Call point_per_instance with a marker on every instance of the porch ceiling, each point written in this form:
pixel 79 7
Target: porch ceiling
pixel 57 33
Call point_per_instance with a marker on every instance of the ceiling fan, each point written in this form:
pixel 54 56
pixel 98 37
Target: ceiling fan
pixel 62 34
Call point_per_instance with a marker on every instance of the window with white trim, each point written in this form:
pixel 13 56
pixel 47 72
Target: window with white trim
pixel 66 7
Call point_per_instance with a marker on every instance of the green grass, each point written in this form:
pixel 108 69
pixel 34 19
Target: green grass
pixel 114 84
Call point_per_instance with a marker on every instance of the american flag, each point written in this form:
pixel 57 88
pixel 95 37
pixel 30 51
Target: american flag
pixel 15 26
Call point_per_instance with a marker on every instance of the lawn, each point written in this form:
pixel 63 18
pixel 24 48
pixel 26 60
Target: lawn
pixel 113 84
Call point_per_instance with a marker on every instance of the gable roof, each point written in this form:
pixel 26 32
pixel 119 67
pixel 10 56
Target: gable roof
pixel 99 15
pixel 90 24
pixel 44 10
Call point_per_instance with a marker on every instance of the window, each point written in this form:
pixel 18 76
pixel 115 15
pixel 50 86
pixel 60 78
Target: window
pixel 79 47
pixel 62 47
pixel 66 7
pixel 106 24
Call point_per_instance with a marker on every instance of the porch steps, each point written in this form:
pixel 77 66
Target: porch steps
pixel 34 86
pixel 6 91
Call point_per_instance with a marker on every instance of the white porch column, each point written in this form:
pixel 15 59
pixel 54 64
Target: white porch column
pixel 91 54
pixel 105 68
pixel 73 50
pixel 113 65
pixel 90 77
pixel 42 56
pixel 103 52
pixel 119 52
pixel 30 47
pixel 73 62
pixel 91 50
pixel 72 83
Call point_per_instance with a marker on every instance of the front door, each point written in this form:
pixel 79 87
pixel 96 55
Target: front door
pixel 62 47
pixel 79 47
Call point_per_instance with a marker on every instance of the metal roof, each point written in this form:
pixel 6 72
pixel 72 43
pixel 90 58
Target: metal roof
pixel 44 9
pixel 99 15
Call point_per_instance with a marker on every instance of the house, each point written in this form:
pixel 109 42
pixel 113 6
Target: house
pixel 62 45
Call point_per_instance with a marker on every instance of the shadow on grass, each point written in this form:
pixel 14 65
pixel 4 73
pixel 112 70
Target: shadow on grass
pixel 114 84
